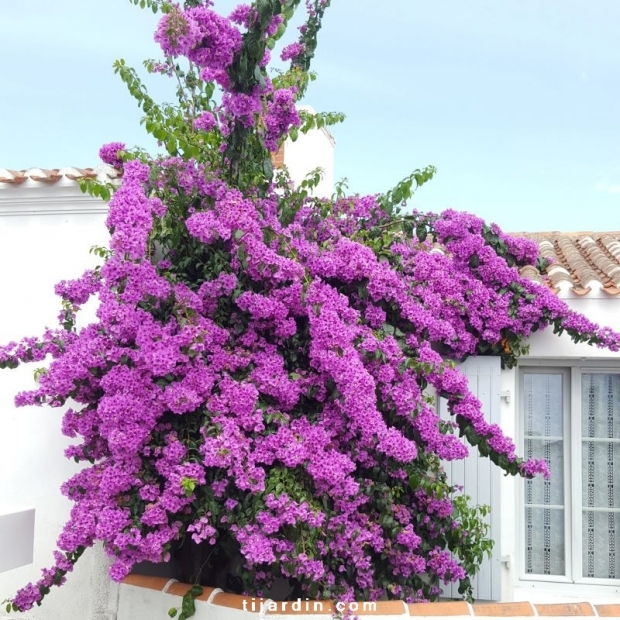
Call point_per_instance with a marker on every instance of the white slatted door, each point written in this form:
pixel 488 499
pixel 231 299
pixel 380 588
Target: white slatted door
pixel 479 477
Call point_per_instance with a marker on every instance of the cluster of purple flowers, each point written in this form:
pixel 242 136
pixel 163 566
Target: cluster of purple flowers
pixel 322 371
pixel 211 42
pixel 202 35
pixel 109 154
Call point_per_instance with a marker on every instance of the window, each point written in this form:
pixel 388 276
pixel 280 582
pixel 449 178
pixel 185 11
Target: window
pixel 571 418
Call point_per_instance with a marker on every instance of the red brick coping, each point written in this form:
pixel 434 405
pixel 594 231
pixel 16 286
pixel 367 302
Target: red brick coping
pixel 384 608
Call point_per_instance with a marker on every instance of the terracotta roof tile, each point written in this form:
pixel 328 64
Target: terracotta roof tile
pixel 582 262
pixel 42 175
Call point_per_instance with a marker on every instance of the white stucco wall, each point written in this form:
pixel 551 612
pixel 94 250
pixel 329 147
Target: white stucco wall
pixel 547 349
pixel 312 150
pixel 46 231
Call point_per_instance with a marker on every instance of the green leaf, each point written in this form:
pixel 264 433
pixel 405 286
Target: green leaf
pixel 388 329
pixel 196 591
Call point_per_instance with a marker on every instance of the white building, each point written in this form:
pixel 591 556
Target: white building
pixel 556 540
pixel 311 150
pixel 561 537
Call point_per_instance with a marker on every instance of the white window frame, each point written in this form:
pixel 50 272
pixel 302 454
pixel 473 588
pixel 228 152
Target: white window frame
pixel 572 373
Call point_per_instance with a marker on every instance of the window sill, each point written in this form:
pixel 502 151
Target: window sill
pixel 593 591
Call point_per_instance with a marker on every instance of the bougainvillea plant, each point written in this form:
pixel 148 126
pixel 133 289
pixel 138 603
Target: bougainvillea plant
pixel 261 371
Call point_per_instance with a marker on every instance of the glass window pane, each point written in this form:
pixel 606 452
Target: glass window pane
pixel 600 405
pixel 549 491
pixel 544 541
pixel 543 404
pixel 601 552
pixel 600 474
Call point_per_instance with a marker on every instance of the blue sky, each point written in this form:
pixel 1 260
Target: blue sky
pixel 515 101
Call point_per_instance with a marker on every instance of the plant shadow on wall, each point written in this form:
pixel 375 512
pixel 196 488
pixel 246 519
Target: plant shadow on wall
pixel 255 383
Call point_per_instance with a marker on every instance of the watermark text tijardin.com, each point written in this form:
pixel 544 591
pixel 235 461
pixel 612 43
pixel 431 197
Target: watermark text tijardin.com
pixel 305 605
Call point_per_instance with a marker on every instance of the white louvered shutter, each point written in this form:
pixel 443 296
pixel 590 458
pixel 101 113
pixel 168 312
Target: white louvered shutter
pixel 478 476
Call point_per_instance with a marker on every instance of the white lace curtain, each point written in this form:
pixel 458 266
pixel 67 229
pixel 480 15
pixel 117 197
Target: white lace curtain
pixel 545 552
pixel 600 465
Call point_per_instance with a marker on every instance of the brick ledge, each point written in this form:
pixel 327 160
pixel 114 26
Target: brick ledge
pixel 218 598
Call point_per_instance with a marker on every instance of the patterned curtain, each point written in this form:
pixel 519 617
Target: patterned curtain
pixel 544 499
pixel 600 432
